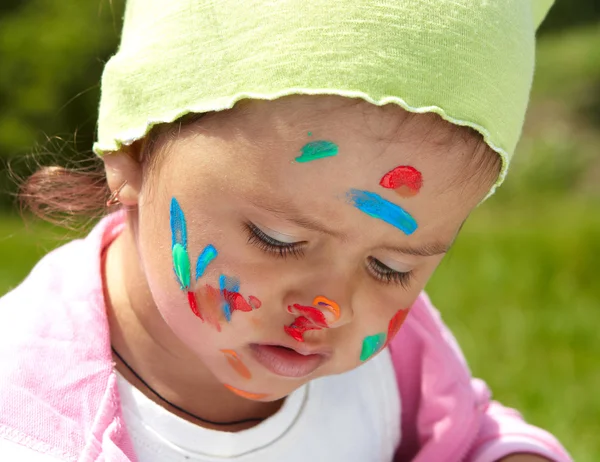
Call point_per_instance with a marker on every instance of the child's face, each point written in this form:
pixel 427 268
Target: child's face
pixel 276 224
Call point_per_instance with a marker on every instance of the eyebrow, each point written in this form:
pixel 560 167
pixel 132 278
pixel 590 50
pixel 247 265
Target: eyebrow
pixel 426 250
pixel 293 215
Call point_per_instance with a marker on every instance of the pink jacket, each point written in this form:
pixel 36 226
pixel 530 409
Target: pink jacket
pixel 59 396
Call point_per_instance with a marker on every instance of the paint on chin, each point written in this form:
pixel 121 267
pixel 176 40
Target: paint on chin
pixel 246 394
pixel 405 180
pixel 236 363
pixel 371 345
pixel 317 150
pixel 377 207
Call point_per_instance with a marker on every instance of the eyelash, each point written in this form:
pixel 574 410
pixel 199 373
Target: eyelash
pixel 267 244
pixel 387 275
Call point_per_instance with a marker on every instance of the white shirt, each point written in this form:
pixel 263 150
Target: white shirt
pixel 349 417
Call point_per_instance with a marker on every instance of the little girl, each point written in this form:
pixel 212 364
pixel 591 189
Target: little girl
pixel 285 178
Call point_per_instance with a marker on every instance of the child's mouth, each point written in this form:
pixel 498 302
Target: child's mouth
pixel 286 362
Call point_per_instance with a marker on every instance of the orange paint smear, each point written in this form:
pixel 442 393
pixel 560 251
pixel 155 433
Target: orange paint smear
pixel 245 394
pixel 209 303
pixel 406 181
pixel 328 304
pixel 236 363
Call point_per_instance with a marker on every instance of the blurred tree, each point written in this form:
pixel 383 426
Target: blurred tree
pixel 570 13
pixel 51 57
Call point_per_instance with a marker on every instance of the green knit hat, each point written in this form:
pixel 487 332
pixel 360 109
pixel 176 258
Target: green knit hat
pixel 470 61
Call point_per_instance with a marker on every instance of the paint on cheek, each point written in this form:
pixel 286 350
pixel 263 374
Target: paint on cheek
pixel 395 324
pixel 208 255
pixel 371 345
pixel 181 260
pixel 236 363
pixel 406 181
pixel 317 150
pixel 246 394
pixel 178 226
pixel 329 305
pixel 209 304
pixel 227 284
pixel 181 266
pixel 194 304
pixel 377 207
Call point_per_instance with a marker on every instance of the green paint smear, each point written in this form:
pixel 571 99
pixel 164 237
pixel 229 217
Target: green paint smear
pixel 371 345
pixel 317 150
pixel 181 265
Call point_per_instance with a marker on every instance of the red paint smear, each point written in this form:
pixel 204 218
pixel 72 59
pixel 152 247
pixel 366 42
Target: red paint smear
pixel 209 301
pixel 238 303
pixel 395 324
pixel 405 178
pixel 193 304
pixel 314 314
pixel 300 325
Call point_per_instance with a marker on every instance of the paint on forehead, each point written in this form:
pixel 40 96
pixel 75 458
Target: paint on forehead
pixel 377 207
pixel 405 180
pixel 245 394
pixel 208 255
pixel 371 345
pixel 236 363
pixel 317 150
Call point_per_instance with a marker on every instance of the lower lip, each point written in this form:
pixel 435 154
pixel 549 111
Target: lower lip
pixel 285 362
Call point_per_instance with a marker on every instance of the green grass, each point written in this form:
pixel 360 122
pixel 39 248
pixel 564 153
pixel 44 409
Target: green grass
pixel 519 292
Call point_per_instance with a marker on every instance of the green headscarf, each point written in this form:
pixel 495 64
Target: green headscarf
pixel 470 61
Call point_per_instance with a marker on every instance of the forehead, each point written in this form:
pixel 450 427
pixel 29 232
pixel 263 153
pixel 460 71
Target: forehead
pixel 254 148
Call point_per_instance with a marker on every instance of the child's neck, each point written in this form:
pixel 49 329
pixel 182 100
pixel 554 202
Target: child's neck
pixel 140 335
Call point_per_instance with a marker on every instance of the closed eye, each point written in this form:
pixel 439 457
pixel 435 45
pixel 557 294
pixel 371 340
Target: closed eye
pixel 268 244
pixel 386 275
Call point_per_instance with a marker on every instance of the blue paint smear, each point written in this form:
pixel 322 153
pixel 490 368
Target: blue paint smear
pixel 178 227
pixel 232 285
pixel 208 254
pixel 376 206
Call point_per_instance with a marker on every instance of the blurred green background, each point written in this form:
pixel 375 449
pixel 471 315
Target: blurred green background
pixel 518 289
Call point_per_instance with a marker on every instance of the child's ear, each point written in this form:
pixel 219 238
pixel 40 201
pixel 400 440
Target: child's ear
pixel 124 171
